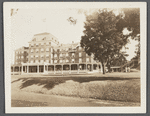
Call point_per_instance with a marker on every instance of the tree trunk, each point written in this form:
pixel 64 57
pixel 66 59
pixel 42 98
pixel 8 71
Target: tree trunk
pixel 103 68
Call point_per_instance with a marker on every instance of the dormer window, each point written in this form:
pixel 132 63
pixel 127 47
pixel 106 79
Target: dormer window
pixel 34 39
pixel 44 38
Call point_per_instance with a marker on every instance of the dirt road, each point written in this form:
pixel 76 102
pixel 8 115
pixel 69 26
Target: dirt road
pixel 26 99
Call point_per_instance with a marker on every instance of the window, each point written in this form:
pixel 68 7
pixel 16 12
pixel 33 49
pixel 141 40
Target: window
pixel 16 57
pixel 47 61
pixel 55 55
pixel 59 49
pixel 60 61
pixel 37 44
pixel 42 44
pixel 80 54
pixel 42 61
pixel 42 56
pixel 21 56
pixel 72 60
pixel 87 55
pixel 31 61
pixel 66 54
pixel 31 56
pixel 16 52
pixel 73 54
pixel 66 49
pixel 67 60
pixel 44 38
pixel 32 45
pixel 51 61
pixel 47 55
pixel 22 51
pixel 80 48
pixel 51 55
pixel 36 61
pixel 37 56
pixel 61 55
pixel 47 49
pixel 32 50
pixel 42 49
pixel 55 61
pixel 87 59
pixel 92 60
pixel 47 43
pixel 51 49
pixel 80 60
pixel 37 50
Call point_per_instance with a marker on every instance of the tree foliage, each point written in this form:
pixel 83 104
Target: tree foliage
pixel 102 37
pixel 130 20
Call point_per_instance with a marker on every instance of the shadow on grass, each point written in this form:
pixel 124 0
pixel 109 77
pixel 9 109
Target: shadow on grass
pixel 50 82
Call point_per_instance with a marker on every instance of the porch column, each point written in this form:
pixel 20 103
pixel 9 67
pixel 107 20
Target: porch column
pixel 78 68
pixel 91 67
pixel 19 69
pixel 27 69
pixel 69 68
pixel 101 68
pixel 61 69
pixel 47 67
pixel 37 68
pixel 54 69
pixel 86 67
pixel 22 68
pixel 44 68
pixel 13 70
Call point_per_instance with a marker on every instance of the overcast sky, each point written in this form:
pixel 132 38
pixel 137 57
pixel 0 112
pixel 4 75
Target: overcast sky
pixel 27 22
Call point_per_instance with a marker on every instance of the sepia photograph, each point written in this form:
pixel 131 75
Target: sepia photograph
pixel 77 57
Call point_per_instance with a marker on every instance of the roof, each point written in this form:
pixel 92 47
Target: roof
pixel 73 45
pixel 45 33
pixel 21 48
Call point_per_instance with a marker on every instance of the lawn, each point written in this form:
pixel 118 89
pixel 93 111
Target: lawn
pixel 104 88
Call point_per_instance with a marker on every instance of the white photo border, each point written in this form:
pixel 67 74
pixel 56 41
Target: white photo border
pixel 7 6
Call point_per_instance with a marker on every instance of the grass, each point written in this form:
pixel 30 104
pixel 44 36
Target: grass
pixel 104 88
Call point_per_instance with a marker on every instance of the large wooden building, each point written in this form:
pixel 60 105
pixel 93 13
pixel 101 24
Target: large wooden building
pixel 46 55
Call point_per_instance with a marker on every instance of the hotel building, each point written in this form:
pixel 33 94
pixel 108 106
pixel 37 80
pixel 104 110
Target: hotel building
pixel 46 55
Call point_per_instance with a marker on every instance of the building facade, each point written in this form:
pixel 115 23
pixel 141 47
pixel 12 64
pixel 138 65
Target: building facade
pixel 46 55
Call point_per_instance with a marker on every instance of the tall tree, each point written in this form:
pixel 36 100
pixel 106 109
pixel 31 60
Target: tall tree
pixel 131 21
pixel 101 37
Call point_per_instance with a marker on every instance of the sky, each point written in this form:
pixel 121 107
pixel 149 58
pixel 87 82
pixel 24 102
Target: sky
pixel 27 22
